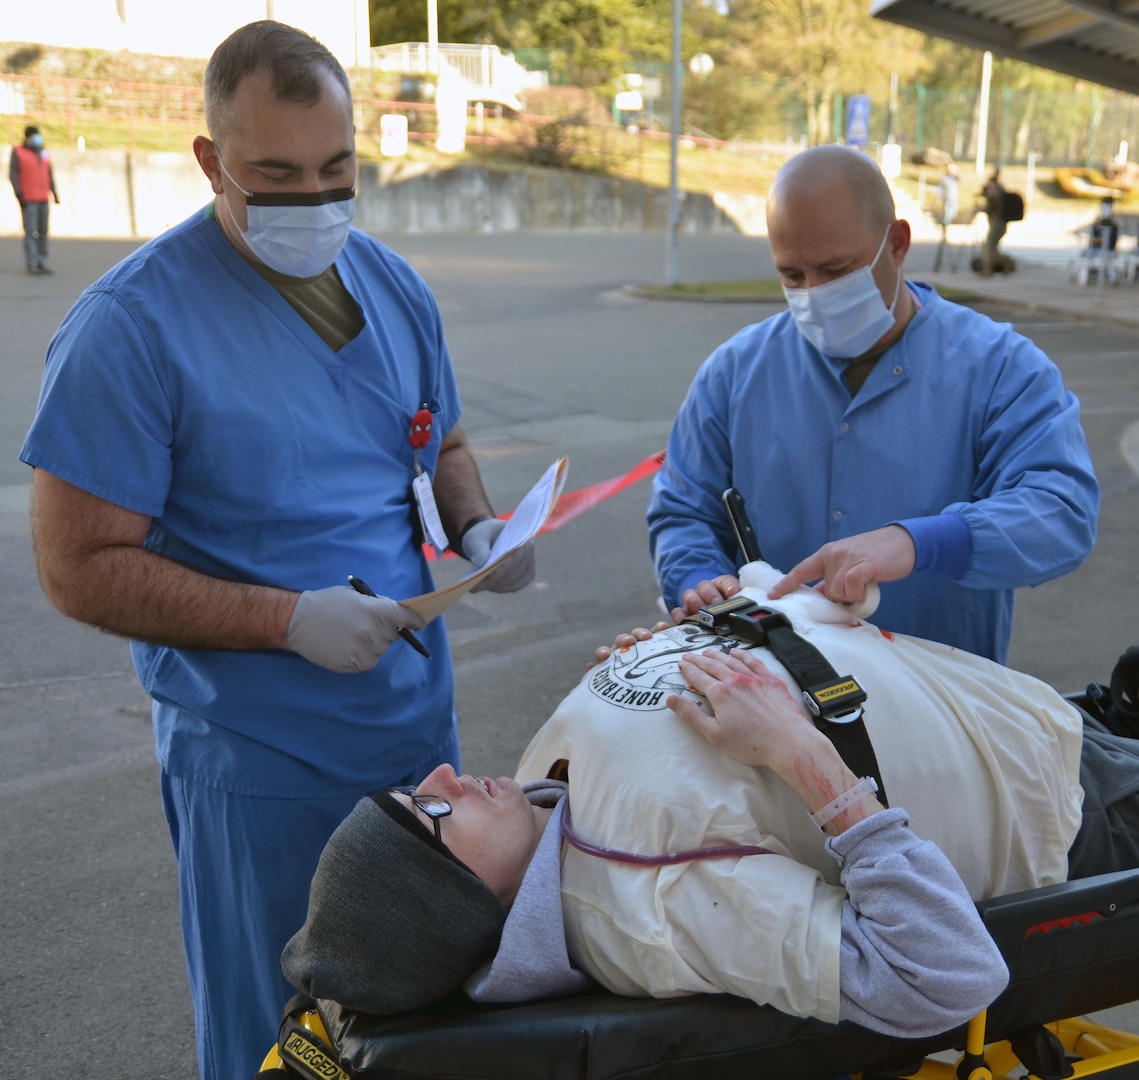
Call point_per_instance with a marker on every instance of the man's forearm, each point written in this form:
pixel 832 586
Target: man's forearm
pixel 683 544
pixel 94 567
pixel 135 593
pixel 459 492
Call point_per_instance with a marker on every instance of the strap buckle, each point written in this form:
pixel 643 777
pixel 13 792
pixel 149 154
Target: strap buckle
pixel 838 701
pixel 740 618
pixel 717 617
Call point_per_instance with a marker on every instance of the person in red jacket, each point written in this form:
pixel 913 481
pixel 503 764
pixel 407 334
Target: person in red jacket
pixel 32 181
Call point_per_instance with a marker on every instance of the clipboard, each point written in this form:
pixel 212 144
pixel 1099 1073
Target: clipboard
pixel 523 524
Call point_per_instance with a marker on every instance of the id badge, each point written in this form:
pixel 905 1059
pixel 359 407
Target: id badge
pixel 433 530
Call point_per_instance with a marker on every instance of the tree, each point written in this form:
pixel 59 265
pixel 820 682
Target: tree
pixel 393 21
pixel 825 47
pixel 1031 108
pixel 590 42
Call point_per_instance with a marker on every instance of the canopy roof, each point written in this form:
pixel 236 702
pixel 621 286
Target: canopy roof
pixel 1097 40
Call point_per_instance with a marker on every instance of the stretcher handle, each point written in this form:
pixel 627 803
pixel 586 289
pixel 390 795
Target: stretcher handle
pixel 741 525
pixel 1010 918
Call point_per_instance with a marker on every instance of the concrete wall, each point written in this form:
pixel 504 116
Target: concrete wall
pixel 110 193
pixel 113 194
pixel 393 199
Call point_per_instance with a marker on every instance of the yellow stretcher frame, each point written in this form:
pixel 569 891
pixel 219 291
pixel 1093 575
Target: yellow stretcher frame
pixel 1102 1051
pixel 310 1020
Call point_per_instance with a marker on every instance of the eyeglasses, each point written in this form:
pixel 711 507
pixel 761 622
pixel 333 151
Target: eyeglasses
pixel 434 806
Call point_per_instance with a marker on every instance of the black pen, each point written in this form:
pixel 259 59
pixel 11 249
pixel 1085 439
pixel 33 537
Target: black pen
pixel 361 586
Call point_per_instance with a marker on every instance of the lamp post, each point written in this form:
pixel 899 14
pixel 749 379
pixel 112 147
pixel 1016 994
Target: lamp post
pixel 983 111
pixel 433 37
pixel 674 150
pixel 701 66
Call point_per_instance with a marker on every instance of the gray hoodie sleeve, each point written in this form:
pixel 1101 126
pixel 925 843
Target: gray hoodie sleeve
pixel 915 959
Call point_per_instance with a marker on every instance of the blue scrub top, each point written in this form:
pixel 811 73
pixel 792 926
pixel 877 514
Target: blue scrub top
pixel 184 387
pixel 963 431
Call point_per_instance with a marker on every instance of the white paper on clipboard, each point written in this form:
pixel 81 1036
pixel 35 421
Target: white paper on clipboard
pixel 524 523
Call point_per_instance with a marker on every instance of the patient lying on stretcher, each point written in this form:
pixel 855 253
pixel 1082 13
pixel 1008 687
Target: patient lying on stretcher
pixel 708 838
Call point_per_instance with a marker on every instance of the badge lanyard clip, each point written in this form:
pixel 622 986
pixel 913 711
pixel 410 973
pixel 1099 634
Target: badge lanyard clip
pixel 422 494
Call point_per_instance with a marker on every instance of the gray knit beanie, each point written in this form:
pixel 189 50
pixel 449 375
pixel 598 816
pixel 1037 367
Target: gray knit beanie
pixel 395 921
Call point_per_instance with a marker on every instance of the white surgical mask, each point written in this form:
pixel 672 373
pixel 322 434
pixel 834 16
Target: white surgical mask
pixel 296 233
pixel 843 318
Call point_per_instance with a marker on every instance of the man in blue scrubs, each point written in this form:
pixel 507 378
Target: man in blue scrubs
pixel 877 433
pixel 230 424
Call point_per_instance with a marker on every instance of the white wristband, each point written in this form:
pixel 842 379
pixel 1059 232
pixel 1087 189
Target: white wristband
pixel 866 786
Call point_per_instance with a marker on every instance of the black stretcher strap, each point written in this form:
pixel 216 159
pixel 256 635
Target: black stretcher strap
pixel 835 701
pixel 816 677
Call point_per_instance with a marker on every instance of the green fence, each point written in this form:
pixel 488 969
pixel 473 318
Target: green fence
pixel 1077 128
pixel 1082 128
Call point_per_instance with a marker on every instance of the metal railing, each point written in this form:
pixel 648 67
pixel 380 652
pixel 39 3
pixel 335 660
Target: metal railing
pixel 97 109
pixel 112 115
pixel 484 67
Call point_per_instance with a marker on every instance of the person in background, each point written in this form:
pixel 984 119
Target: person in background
pixel 1105 228
pixel 992 199
pixel 244 412
pixel 33 181
pixel 947 192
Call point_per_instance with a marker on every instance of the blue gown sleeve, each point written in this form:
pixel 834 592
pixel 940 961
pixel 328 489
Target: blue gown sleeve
pixel 915 958
pixel 943 544
pixel 1036 498
pixel 690 537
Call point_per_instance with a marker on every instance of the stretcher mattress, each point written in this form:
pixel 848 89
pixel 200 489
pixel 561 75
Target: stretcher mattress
pixel 1072 949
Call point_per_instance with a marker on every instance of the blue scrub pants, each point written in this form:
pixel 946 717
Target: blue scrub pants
pixel 244 868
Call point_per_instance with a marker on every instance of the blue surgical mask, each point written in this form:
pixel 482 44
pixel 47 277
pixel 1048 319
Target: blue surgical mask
pixel 295 233
pixel 36 142
pixel 845 317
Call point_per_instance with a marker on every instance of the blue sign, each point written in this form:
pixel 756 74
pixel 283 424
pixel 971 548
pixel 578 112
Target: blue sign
pixel 858 120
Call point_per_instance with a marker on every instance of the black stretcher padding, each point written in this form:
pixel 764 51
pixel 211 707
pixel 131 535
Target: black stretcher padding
pixel 605 1037
pixel 600 1036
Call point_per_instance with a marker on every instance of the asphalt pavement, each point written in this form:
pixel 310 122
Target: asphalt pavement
pixel 553 358
pixel 1047 282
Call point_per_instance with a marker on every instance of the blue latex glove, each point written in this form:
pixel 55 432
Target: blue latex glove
pixel 343 630
pixel 511 574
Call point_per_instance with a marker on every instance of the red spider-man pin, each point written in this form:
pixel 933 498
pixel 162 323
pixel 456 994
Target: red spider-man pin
pixel 420 434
